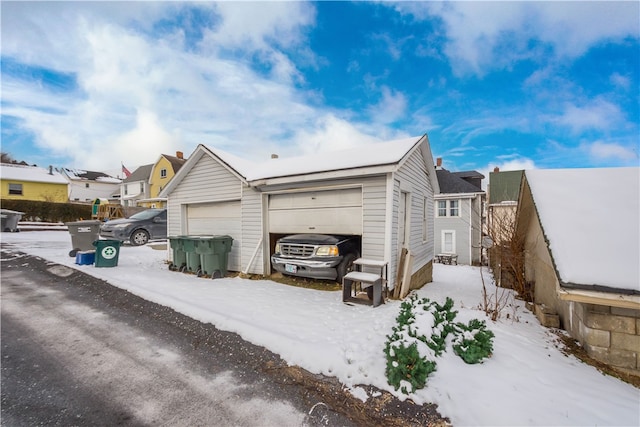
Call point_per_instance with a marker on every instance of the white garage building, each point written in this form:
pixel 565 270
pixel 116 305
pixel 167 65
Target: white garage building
pixel 382 192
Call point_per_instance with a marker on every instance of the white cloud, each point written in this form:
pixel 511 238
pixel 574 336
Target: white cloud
pixel 391 107
pixel 489 35
pixel 618 80
pixel 598 114
pixel 139 96
pixel 253 25
pixel 520 163
pixel 330 133
pixel 600 150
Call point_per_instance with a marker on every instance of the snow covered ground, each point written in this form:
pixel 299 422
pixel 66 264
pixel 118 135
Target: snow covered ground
pixel 527 381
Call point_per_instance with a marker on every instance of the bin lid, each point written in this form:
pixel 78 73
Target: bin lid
pixel 10 212
pixel 85 222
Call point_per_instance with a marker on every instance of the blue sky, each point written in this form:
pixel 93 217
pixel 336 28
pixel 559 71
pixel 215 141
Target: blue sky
pixel 509 84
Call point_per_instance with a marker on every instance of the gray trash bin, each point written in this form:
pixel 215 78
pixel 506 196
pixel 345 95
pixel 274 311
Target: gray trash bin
pixel 83 234
pixel 9 220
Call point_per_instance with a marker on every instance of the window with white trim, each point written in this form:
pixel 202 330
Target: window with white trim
pixel 15 189
pixel 163 173
pixel 448 208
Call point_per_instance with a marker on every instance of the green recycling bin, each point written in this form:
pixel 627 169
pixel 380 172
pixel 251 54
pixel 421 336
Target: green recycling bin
pixel 214 255
pixel 179 253
pixel 192 264
pixel 107 252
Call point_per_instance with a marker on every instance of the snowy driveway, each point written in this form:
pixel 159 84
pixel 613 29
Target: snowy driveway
pixel 78 352
pixel 527 381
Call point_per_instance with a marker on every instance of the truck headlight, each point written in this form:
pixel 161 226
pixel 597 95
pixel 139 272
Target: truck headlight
pixel 327 250
pixel 277 249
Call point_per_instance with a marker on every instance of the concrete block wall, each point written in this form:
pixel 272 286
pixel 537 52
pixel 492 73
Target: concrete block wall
pixel 608 334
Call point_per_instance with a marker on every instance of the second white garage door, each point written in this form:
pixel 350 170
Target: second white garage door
pixel 325 211
pixel 217 219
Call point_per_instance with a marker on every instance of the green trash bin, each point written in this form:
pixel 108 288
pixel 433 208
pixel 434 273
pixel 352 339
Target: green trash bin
pixel 107 252
pixel 192 258
pixel 179 253
pixel 214 255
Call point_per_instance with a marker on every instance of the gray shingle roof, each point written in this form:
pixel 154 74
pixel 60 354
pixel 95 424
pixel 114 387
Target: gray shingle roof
pixel 141 174
pixel 454 183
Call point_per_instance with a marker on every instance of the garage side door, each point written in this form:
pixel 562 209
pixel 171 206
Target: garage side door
pixel 326 211
pixel 217 219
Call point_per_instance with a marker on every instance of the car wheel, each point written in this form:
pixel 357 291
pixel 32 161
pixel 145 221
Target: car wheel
pixel 139 237
pixel 345 266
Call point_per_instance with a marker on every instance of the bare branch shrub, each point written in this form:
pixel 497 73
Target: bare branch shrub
pixel 506 261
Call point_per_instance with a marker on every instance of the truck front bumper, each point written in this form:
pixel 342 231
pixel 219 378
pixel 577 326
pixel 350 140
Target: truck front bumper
pixel 314 268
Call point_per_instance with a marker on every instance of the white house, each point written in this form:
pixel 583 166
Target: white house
pixel 86 186
pixel 458 214
pixel 135 187
pixel 383 192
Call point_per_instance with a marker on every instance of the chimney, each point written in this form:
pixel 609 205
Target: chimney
pixel 439 163
pixel 274 156
pixel 496 169
pixel 179 155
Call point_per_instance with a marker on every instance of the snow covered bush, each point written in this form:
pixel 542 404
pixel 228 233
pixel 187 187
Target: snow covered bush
pixel 473 342
pixel 420 335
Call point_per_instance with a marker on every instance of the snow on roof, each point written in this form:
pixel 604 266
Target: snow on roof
pixel 83 175
pixel 30 174
pixel 382 153
pixel 591 219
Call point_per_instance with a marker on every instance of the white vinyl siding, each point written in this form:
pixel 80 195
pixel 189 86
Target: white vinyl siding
pixel 374 197
pixel 207 182
pixel 319 211
pixel 251 208
pixel 413 177
pixel 467 226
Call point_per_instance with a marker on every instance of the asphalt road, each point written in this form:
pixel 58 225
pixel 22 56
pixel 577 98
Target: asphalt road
pixel 77 351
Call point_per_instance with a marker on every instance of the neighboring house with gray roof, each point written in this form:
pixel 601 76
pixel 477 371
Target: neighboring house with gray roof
pixel 86 186
pixel 458 214
pixel 136 187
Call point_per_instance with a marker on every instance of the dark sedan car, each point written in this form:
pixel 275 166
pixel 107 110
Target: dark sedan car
pixel 138 229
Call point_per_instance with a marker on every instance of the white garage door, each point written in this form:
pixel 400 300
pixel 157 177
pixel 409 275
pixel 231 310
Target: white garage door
pixel 206 219
pixel 326 211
